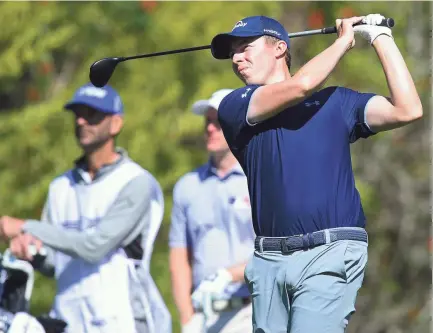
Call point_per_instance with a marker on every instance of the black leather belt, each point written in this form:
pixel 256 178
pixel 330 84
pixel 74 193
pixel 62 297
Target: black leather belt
pixel 308 241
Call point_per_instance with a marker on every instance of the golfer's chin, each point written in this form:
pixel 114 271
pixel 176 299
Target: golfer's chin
pixel 243 79
pixel 248 80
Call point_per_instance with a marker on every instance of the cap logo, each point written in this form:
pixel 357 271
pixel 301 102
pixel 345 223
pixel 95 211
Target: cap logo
pixel 93 92
pixel 272 32
pixel 239 24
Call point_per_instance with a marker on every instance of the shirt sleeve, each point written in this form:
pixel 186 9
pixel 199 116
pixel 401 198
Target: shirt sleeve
pixel 232 114
pixel 353 109
pixel 178 234
pixel 124 221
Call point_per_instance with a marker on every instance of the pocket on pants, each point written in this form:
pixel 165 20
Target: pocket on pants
pixel 355 259
pixel 247 271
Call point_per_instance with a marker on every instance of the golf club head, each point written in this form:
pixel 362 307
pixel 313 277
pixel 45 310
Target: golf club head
pixel 101 71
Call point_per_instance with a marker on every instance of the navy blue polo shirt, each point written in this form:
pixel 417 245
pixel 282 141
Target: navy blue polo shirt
pixel 298 163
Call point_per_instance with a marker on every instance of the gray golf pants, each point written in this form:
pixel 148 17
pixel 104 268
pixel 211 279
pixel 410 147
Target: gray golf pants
pixel 311 291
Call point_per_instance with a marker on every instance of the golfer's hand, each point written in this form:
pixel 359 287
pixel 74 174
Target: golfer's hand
pixel 214 286
pixel 22 246
pixel 10 227
pixel 370 30
pixel 345 30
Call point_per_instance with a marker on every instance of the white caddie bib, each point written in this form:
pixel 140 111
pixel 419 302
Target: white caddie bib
pixel 91 297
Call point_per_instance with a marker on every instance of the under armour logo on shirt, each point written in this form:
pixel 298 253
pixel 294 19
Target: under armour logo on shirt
pixel 317 103
pixel 246 93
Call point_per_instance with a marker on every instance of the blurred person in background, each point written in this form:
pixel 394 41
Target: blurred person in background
pixel 98 226
pixel 211 235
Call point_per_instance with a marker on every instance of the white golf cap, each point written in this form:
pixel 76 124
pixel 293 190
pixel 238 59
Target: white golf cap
pixel 201 107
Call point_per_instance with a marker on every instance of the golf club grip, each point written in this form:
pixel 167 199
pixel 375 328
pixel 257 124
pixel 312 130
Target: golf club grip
pixel 387 22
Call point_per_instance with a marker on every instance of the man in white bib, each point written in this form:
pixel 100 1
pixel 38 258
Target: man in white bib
pixel 99 223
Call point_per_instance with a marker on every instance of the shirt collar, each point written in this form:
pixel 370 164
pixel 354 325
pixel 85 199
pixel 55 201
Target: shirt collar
pixel 209 170
pixel 81 166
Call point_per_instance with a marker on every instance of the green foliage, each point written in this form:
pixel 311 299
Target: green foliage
pixel 160 133
pixel 48 47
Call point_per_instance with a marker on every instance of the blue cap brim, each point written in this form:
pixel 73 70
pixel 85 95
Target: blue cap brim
pixel 90 103
pixel 221 44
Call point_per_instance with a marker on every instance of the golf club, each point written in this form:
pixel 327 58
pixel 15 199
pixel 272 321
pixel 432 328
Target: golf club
pixel 102 70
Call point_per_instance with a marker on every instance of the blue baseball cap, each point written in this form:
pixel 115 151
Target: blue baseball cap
pixel 252 26
pixel 104 99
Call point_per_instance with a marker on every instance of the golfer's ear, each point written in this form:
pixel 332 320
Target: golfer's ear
pixel 281 48
pixel 116 124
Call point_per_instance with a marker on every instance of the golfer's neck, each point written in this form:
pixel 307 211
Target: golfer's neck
pixel 280 73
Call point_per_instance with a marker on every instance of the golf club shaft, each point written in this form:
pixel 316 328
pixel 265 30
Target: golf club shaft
pixel 204 47
pixel 387 22
pixel 189 49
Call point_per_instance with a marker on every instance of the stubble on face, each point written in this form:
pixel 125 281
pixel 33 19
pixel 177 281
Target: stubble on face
pixel 92 128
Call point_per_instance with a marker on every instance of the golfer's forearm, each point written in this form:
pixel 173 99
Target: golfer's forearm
pixel 181 282
pixel 401 86
pixel 315 72
pixel 271 99
pixel 237 272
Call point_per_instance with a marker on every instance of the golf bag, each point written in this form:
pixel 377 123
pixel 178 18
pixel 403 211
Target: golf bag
pixel 16 287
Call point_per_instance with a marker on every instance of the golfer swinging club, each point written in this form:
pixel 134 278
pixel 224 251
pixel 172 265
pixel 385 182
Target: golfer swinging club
pixel 292 140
